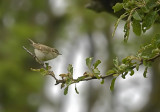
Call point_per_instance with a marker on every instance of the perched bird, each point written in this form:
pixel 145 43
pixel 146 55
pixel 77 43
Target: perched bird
pixel 43 52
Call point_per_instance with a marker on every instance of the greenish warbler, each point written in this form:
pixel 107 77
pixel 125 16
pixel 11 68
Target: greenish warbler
pixel 43 52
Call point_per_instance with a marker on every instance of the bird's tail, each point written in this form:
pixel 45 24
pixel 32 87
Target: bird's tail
pixel 31 41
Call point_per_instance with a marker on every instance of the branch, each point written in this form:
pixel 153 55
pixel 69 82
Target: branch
pixel 105 76
pixel 86 78
pixel 34 56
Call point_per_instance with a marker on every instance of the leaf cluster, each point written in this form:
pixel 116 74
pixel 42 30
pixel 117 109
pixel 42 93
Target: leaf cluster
pixel 140 14
pixel 146 55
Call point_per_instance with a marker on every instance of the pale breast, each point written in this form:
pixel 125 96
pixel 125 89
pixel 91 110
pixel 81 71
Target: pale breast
pixel 40 55
pixel 45 56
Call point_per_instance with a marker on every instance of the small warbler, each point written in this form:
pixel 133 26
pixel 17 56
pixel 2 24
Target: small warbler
pixel 43 52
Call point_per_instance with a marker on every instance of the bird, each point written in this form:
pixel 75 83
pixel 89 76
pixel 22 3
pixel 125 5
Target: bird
pixel 44 52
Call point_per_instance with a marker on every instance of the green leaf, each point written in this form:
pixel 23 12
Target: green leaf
pixel 117 7
pixel 115 62
pixel 41 70
pixel 70 70
pixel 125 60
pixel 76 89
pixel 96 63
pixel 136 16
pixel 102 82
pixel 47 64
pixel 66 90
pixel 126 31
pixel 151 4
pixel 149 20
pixel 132 72
pixel 145 72
pixel 144 62
pixel 145 9
pixel 136 27
pixel 68 81
pixel 124 75
pixel 35 70
pixel 156 51
pixel 81 78
pixel 116 75
pixel 89 62
pixel 122 67
pixel 116 24
pixel 137 67
pixel 110 72
pixel 96 73
pixel 62 85
pixel 112 84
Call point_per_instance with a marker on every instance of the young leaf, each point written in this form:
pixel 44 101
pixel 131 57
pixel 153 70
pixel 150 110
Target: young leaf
pixel 122 67
pixel 145 72
pixel 136 16
pixel 110 72
pixel 81 78
pixel 137 67
pixel 126 31
pixel 89 62
pixel 96 63
pixel 112 84
pixel 115 62
pixel 41 70
pixel 151 4
pixel 47 65
pixel 136 27
pixel 62 85
pixel 35 70
pixel 124 75
pixel 156 51
pixel 145 62
pixel 66 90
pixel 96 73
pixel 76 89
pixel 102 82
pixel 149 20
pixel 115 75
pixel 132 72
pixel 70 69
pixel 116 24
pixel 68 81
pixel 117 7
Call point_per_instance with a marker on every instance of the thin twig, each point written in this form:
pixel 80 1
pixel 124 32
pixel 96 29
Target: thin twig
pixel 33 56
